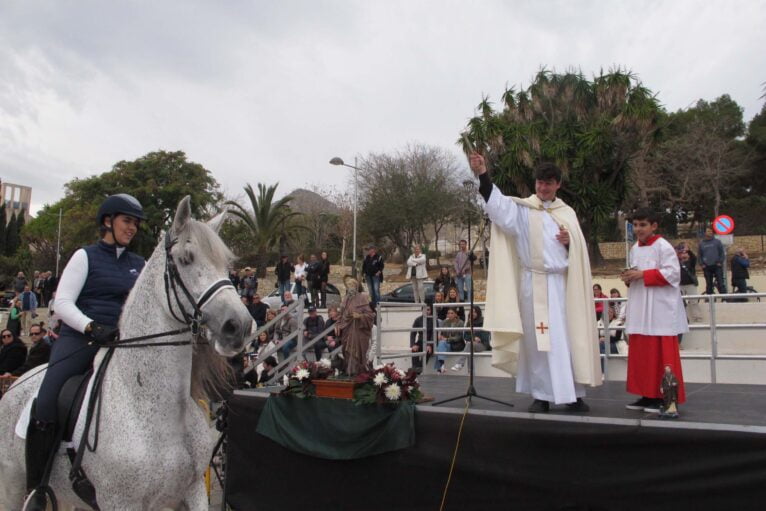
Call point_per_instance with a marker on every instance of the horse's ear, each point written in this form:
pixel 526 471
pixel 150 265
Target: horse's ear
pixel 183 215
pixel 217 221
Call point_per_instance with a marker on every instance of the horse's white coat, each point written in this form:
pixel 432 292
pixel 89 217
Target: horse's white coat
pixel 154 440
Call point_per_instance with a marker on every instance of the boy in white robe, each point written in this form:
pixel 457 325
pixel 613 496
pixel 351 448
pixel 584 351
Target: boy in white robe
pixel 555 360
pixel 655 314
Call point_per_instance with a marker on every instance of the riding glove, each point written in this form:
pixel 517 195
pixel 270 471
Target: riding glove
pixel 101 334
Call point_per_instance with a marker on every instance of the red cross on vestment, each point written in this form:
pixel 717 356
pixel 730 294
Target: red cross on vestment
pixel 542 328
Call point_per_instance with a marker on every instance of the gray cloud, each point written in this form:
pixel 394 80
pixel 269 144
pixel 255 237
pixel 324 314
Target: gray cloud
pixel 269 91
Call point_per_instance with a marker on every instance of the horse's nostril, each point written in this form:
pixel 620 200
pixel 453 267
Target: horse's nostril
pixel 230 327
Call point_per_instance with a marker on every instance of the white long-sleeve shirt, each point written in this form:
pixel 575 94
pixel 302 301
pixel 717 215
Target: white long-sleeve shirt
pixel 72 281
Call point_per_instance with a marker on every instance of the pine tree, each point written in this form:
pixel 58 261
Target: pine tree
pixel 3 221
pixel 11 236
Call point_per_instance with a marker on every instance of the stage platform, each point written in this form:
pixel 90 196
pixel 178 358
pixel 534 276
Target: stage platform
pixel 611 458
pixel 708 406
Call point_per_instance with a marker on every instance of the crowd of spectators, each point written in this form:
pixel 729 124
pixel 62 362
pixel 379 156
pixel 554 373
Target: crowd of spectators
pixel 26 341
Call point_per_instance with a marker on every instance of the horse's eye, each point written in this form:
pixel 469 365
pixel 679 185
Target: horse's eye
pixel 186 259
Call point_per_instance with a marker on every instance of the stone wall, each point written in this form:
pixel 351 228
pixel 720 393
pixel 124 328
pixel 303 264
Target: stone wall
pixel 752 244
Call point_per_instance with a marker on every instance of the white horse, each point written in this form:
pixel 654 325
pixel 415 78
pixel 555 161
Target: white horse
pixel 154 441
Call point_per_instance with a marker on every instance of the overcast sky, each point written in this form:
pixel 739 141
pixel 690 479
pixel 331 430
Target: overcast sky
pixel 267 91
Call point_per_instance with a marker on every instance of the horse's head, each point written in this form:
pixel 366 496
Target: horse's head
pixel 202 260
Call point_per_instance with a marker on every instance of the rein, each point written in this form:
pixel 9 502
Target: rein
pixel 174 283
pixel 193 321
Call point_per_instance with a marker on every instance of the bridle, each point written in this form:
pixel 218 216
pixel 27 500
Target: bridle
pixel 174 282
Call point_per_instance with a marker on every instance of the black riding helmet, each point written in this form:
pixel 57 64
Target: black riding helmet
pixel 120 204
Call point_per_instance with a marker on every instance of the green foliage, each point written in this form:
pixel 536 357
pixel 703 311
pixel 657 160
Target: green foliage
pixel 159 180
pixel 300 389
pixel 12 240
pixel 700 160
pixel 407 195
pixel 592 129
pixel 267 223
pixel 3 222
pixel 754 182
pixel 748 212
pixel 365 394
pixel 11 265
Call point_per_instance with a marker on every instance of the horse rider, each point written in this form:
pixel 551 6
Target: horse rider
pixel 89 300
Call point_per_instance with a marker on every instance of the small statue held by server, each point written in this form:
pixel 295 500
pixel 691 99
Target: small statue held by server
pixel 669 391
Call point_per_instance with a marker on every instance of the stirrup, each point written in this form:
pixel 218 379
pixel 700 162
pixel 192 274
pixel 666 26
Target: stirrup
pixel 43 492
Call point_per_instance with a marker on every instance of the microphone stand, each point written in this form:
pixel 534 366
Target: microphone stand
pixel 471 390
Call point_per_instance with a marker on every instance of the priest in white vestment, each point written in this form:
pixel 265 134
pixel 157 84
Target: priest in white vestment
pixel 539 293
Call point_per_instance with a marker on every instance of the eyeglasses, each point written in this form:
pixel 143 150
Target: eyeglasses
pixel 6 336
pixel 35 333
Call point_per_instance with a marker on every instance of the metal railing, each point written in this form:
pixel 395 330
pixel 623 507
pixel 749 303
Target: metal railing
pixel 423 331
pixel 301 347
pixel 606 331
pixel 713 326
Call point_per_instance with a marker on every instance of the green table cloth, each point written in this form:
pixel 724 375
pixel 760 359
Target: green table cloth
pixel 337 429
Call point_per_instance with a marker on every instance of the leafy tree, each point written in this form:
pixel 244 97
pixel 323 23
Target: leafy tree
pixel 159 180
pixel 756 140
pixel 3 222
pixel 405 194
pixel 700 160
pixel 592 129
pixel 12 241
pixel 269 223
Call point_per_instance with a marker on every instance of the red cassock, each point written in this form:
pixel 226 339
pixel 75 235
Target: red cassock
pixel 655 315
pixel 647 357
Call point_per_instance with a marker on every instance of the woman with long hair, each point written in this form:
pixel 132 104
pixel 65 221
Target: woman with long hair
pixel 452 297
pixel 444 281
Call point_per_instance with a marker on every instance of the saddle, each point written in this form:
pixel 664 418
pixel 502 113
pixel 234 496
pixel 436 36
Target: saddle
pixel 69 404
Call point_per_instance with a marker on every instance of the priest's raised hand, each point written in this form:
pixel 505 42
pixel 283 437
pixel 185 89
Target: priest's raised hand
pixel 477 163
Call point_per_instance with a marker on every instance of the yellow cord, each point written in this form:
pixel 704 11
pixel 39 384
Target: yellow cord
pixel 454 454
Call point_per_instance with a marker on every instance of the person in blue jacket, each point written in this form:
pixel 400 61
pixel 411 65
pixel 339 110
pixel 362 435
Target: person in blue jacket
pixel 89 300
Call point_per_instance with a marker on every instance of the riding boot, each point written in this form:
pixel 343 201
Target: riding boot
pixel 41 437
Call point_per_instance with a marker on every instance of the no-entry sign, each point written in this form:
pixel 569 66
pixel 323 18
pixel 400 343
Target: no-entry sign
pixel 723 224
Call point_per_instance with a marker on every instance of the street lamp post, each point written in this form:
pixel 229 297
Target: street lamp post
pixel 339 161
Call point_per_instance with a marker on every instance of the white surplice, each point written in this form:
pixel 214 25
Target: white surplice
pixel 657 309
pixel 546 375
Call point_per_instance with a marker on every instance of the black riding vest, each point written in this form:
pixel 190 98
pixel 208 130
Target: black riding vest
pixel 110 279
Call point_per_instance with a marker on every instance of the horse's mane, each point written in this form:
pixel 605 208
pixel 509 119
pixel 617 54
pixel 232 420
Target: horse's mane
pixel 212 376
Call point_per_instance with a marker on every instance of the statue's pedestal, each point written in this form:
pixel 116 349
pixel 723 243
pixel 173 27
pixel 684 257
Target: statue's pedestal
pixel 338 389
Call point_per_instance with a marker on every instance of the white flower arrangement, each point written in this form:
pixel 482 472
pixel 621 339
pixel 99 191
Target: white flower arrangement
pixel 386 384
pixel 393 392
pixel 325 362
pixel 301 374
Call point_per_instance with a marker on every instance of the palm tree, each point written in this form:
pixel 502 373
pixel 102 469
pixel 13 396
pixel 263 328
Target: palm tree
pixel 592 129
pixel 271 222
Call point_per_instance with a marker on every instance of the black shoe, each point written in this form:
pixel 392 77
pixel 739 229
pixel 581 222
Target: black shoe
pixel 41 439
pixel 654 406
pixel 639 404
pixel 578 406
pixel 539 406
